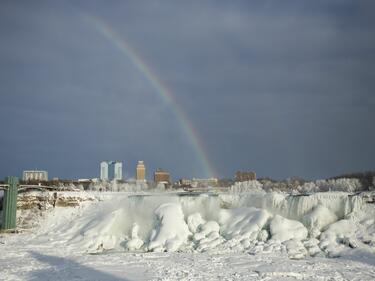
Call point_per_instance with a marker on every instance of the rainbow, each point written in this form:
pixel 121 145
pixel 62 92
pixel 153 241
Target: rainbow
pixel 162 90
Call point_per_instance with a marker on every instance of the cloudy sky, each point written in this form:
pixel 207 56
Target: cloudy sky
pixel 284 88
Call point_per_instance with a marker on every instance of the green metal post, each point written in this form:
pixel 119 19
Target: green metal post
pixel 10 204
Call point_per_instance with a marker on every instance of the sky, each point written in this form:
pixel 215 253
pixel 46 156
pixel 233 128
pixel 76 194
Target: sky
pixel 282 88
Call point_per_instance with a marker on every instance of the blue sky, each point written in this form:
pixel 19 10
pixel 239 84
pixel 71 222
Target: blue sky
pixel 284 88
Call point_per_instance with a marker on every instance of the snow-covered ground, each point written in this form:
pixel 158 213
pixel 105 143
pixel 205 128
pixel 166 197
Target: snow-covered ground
pixel 239 235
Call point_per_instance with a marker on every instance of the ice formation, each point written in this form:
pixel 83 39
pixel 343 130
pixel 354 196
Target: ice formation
pixel 170 231
pixel 283 229
pixel 242 220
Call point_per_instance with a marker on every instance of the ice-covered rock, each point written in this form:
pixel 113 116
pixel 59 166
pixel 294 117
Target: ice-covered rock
pixel 312 246
pixel 135 243
pixel 263 235
pixel 241 223
pixel 295 249
pixel 317 219
pixel 207 236
pixel 333 239
pixel 171 230
pixel 283 229
pixel 194 221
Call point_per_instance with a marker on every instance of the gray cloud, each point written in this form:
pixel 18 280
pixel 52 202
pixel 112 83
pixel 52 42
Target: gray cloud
pixel 282 88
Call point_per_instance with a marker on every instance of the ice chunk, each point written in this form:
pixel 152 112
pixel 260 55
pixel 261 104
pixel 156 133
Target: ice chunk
pixel 295 249
pixel 194 221
pixel 135 243
pixel 283 229
pixel 317 219
pixel 337 234
pixel 243 223
pixel 171 229
pixel 263 235
pixel 208 236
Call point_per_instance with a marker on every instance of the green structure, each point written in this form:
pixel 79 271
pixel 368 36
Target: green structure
pixel 10 203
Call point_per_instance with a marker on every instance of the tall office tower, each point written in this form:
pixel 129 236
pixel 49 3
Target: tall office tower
pixel 140 171
pixel 118 171
pixel 104 170
pixel 111 170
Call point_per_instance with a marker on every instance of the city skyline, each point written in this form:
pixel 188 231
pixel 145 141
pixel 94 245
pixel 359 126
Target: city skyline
pixel 202 89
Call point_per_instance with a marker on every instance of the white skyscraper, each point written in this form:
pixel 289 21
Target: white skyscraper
pixel 104 170
pixel 118 171
pixel 111 170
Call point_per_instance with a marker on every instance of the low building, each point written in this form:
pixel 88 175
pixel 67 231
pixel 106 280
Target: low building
pixel 245 176
pixel 204 182
pixel 184 182
pixel 35 175
pixel 162 176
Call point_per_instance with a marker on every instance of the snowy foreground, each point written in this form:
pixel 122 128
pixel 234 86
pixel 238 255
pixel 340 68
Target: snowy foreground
pixel 240 235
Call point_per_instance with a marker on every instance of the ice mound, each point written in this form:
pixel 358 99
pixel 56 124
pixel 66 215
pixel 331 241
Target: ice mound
pixel 317 219
pixel 283 229
pixel 207 237
pixel 295 248
pixel 135 243
pixel 171 231
pixel 337 236
pixel 104 232
pixel 256 222
pixel 194 221
pixel 243 223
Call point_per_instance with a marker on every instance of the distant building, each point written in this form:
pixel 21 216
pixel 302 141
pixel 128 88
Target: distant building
pixel 35 175
pixel 111 170
pixel 140 173
pixel 84 180
pixel 162 176
pixel 115 170
pixel 245 176
pixel 104 170
pixel 184 182
pixel 204 182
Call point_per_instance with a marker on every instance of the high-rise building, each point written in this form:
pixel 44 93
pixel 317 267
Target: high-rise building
pixel 111 170
pixel 162 176
pixel 140 173
pixel 104 170
pixel 35 175
pixel 118 170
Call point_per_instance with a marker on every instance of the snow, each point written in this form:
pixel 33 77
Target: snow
pixel 240 235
